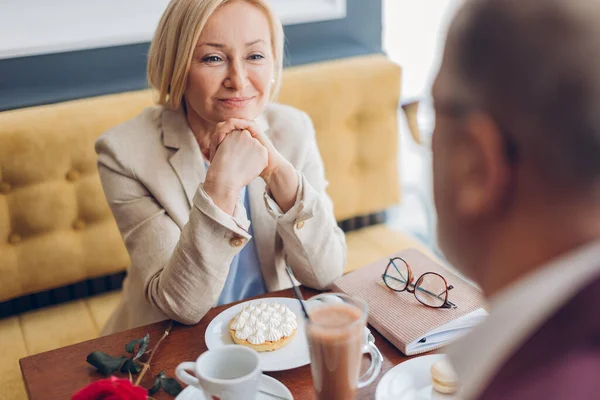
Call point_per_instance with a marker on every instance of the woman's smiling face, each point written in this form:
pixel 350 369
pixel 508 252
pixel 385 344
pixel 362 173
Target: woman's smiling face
pixel 232 65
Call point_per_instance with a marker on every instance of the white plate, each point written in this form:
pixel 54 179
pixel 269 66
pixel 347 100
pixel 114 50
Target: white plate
pixel 294 354
pixel 267 384
pixel 410 380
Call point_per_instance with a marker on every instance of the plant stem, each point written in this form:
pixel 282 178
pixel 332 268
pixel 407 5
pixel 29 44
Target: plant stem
pixel 147 363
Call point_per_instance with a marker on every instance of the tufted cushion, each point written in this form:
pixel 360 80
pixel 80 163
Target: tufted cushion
pixel 353 104
pixel 55 225
pixel 373 243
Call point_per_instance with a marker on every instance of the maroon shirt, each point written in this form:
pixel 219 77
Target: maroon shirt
pixel 561 360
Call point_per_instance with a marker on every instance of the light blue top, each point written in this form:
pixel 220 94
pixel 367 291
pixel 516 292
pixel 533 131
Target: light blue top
pixel 245 276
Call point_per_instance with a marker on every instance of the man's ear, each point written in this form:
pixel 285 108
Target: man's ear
pixel 483 170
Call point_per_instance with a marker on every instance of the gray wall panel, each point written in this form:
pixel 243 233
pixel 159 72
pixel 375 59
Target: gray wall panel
pixel 51 78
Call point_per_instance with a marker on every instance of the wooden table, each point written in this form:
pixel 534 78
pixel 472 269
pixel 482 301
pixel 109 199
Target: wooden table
pixel 59 373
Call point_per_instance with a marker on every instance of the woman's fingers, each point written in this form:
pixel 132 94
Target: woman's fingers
pixel 226 127
pixel 221 130
pixel 237 124
pixel 215 142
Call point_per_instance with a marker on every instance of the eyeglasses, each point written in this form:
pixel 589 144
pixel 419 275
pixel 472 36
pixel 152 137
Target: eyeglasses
pixel 431 289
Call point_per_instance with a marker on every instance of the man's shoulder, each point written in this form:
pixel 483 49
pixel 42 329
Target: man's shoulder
pixel 560 359
pixel 571 374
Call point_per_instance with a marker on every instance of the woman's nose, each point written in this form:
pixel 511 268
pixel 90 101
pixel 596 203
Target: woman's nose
pixel 237 78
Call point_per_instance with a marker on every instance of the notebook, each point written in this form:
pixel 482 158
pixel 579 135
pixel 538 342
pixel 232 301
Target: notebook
pixel 398 316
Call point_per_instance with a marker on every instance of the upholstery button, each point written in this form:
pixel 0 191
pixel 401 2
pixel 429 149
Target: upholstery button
pixel 300 225
pixel 79 224
pixel 72 176
pixel 14 238
pixel 236 242
pixel 353 122
pixel 5 187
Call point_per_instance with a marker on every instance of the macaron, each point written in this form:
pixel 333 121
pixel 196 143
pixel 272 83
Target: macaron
pixel 444 377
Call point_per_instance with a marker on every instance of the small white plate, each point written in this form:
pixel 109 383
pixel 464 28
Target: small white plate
pixel 295 354
pixel 267 384
pixel 410 380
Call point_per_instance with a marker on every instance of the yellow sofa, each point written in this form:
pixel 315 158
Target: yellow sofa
pixel 57 230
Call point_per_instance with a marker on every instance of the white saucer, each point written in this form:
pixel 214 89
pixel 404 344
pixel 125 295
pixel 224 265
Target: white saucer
pixel 267 384
pixel 410 380
pixel 294 354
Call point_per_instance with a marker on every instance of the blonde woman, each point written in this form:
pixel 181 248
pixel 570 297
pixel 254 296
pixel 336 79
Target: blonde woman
pixel 216 187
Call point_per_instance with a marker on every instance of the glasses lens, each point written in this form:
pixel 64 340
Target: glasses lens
pixel 396 275
pixel 431 290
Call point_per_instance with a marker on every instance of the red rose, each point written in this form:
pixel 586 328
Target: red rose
pixel 111 389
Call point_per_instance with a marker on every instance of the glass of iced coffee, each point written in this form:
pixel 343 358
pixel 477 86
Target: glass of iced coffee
pixel 336 337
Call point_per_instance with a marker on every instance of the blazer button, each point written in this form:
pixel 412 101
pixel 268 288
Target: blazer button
pixel 236 242
pixel 300 225
pixel 5 187
pixel 79 224
pixel 14 238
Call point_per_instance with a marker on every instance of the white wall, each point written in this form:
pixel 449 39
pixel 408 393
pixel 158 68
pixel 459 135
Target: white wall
pixel 414 32
pixel 30 27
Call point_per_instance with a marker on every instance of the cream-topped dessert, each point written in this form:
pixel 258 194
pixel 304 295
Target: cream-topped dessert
pixel 264 326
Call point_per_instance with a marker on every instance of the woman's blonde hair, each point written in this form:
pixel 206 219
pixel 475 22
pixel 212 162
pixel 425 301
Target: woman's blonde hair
pixel 176 37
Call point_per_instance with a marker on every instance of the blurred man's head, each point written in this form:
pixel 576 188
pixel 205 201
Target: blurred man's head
pixel 517 136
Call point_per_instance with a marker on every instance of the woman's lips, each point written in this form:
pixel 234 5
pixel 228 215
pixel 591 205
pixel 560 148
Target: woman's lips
pixel 236 102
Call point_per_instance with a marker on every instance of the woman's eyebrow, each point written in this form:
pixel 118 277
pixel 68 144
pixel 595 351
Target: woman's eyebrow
pixel 222 46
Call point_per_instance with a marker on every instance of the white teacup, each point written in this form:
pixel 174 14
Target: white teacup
pixel 228 373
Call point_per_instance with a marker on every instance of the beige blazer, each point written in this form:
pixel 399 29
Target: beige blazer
pixel 181 244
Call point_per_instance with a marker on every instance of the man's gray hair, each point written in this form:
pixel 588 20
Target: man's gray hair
pixel 535 67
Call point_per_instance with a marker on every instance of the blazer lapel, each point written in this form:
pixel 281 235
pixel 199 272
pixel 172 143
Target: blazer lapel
pixel 263 224
pixel 264 229
pixel 187 161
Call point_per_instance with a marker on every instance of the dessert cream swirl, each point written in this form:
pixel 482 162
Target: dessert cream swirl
pixel 286 328
pixel 238 323
pixel 274 323
pixel 291 320
pixel 264 322
pixel 273 334
pixel 243 333
pixel 257 337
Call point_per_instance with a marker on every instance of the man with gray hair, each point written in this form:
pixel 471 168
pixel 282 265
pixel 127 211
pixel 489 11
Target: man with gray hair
pixel 516 152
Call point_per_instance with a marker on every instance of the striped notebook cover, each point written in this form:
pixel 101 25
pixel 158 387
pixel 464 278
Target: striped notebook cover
pixel 410 326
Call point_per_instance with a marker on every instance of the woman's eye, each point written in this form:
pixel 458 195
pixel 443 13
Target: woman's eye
pixel 256 57
pixel 211 59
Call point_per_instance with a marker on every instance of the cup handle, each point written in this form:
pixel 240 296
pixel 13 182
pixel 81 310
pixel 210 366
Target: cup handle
pixel 182 373
pixel 376 362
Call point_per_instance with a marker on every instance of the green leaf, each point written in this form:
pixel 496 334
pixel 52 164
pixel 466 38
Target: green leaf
pixel 130 366
pixel 104 363
pixel 143 343
pixel 171 386
pixel 156 387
